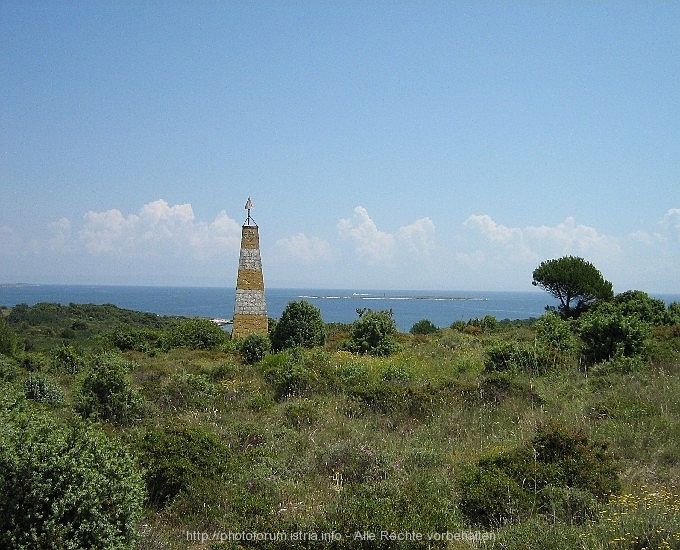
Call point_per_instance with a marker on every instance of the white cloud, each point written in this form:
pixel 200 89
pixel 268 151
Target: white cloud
pixel 159 228
pixel 301 248
pixel 418 237
pixel 668 229
pixel 107 231
pixel 647 238
pixel 160 211
pixel 534 242
pixel 671 223
pixel 372 245
pixel 493 231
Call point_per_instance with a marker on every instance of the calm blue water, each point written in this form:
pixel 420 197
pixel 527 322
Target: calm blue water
pixel 440 307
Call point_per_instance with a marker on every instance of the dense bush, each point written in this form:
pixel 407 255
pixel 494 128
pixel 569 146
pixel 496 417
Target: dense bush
pixel 8 339
pixel 373 333
pixel 397 373
pixel 254 347
pixel 555 333
pixel 176 458
pixel 199 334
pixel 606 332
pixel 302 412
pixel 640 304
pixel 300 325
pixel 293 373
pixel 514 357
pixel 488 323
pixel 8 368
pixel 67 359
pixel 424 326
pixel 185 391
pixel 68 487
pixel 354 461
pixel 126 337
pixel 491 497
pixel 396 400
pixel 40 388
pixel 106 392
pixel 558 470
pixel 673 314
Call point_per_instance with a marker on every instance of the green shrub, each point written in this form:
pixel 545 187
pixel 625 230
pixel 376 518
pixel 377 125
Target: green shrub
pixel 606 333
pixel 302 412
pixel 488 323
pixel 198 334
pixel 673 314
pixel 69 487
pixel 373 333
pixel 424 326
pixel 291 375
pixel 254 347
pixel 354 374
pixel 490 497
pixel 40 388
pixel 641 305
pixel 9 369
pixel 541 476
pixel 620 365
pixel 175 458
pixel 106 392
pixel 458 325
pixel 567 504
pixel 396 400
pixel 131 338
pixel 8 339
pixel 396 373
pixel 187 391
pixel 33 362
pixel 513 357
pixel 67 359
pixel 355 462
pixel 555 332
pixel 300 325
pixel 497 387
pixel 260 402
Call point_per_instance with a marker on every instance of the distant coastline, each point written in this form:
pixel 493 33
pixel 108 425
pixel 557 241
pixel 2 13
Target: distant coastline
pixel 366 296
pixel 17 285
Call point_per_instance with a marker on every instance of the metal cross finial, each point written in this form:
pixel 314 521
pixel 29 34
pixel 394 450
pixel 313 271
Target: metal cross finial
pixel 249 206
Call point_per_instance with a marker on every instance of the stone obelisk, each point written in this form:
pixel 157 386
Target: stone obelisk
pixel 250 308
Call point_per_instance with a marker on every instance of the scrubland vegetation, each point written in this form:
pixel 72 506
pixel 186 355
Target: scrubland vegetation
pixel 128 430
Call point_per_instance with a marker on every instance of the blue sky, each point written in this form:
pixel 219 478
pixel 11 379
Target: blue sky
pixel 385 144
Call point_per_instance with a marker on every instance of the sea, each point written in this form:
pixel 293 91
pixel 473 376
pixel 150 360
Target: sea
pixel 336 305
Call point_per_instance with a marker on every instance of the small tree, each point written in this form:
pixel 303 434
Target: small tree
pixel 106 392
pixel 575 282
pixel 374 333
pixel 424 326
pixel 300 325
pixel 254 347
